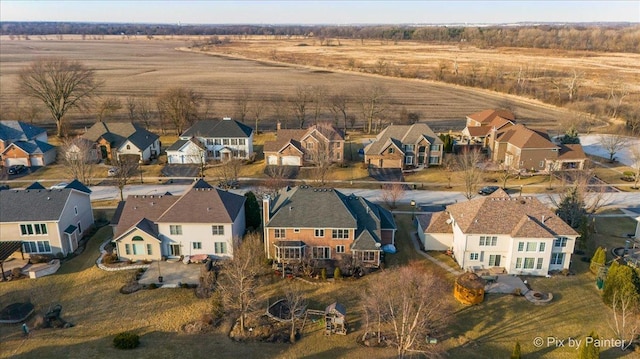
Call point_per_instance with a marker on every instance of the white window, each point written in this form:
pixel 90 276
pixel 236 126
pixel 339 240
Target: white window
pixel 518 263
pixel 528 263
pixel 79 228
pixel 434 160
pixel 241 141
pixel 488 241
pixel 209 141
pixel 408 160
pixel 149 249
pixel 340 249
pixel 234 141
pixel 340 233
pixel 557 258
pixel 319 233
pixel 520 246
pixel 75 209
pixel 225 141
pixel 296 230
pixel 531 246
pixel 435 148
pixel 127 249
pixel 542 246
pixel 539 264
pixel 474 256
pixel 220 247
pixel 217 230
pixel 279 233
pixel 128 147
pixel 391 150
pixel 369 256
pixel 217 141
pixel 541 164
pixel 38 229
pixel 309 145
pixel 197 245
pixel 409 148
pixel 175 229
pixel 321 252
pixel 560 242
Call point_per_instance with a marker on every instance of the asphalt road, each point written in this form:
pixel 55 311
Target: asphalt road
pixel 422 198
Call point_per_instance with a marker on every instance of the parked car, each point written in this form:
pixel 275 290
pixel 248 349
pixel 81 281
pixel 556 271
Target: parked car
pixel 485 191
pixel 230 184
pixel 15 169
pixel 60 185
pixel 112 171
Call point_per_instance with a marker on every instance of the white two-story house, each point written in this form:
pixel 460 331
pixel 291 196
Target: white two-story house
pixel 221 140
pixel 204 221
pixel 519 235
pixel 46 221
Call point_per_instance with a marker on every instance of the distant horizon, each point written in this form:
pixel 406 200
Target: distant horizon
pixel 328 12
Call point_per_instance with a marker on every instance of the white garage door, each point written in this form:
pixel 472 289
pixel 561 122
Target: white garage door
pixel 272 160
pixel 15 161
pixel 37 161
pixel 291 161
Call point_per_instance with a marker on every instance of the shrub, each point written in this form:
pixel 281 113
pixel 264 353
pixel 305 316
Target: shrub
pixel 337 273
pixel 40 258
pixel 110 258
pixel 153 286
pixel 323 274
pixel 598 260
pixel 140 270
pixel 16 272
pixel 126 340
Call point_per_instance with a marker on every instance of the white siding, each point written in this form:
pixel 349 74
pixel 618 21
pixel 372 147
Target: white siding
pixel 196 232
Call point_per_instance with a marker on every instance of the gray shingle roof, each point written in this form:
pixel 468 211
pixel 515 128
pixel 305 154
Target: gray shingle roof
pixel 177 145
pixel 218 128
pixel 36 185
pixel 79 186
pixel 365 242
pixel 18 130
pixel 34 147
pixel 43 204
pixel 402 134
pixel 118 132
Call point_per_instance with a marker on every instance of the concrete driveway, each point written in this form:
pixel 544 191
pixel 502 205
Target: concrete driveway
pixel 173 170
pixel 173 273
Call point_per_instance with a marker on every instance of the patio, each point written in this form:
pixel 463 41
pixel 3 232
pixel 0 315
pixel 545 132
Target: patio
pixel 506 284
pixel 173 274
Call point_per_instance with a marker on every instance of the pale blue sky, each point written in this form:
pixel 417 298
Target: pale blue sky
pixel 320 12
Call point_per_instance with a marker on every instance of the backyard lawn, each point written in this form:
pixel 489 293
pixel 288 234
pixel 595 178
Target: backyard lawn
pixel 91 301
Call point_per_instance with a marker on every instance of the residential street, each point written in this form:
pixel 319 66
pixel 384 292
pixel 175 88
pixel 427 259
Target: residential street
pixel 621 199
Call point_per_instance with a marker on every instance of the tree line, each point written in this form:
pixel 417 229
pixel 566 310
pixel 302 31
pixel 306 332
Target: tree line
pixel 609 37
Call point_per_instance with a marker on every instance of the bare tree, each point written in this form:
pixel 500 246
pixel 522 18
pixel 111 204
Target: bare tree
pixel 243 99
pixel 318 100
pixel 277 178
pixel 448 166
pixel 139 110
pixel 613 143
pixel 228 170
pixel 239 276
pixel 617 92
pixel 373 103
pixel 279 109
pixel 108 107
pixel 338 105
pixel 180 106
pixel 413 308
pixel 467 163
pixel 60 84
pixel 392 193
pixel 126 166
pixel 79 157
pixel 635 157
pixel 257 110
pixel 296 303
pixel 626 324
pixel 300 102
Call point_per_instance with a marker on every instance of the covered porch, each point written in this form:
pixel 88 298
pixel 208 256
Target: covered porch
pixel 7 261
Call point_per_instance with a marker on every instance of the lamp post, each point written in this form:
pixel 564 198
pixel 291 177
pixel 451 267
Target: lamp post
pixel 520 190
pixel 413 209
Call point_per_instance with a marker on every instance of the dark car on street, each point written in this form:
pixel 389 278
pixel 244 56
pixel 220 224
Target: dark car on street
pixel 485 191
pixel 15 169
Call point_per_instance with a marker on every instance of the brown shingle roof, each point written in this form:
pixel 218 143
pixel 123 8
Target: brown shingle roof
pixel 571 152
pixel 487 116
pixel 402 134
pixel 435 222
pixel 138 207
pixel 282 138
pixel 204 205
pixel 523 137
pixel 519 216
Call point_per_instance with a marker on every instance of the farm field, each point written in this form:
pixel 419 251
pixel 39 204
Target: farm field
pixel 144 68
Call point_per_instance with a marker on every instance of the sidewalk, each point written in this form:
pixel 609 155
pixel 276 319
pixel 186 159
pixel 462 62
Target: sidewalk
pixel 414 241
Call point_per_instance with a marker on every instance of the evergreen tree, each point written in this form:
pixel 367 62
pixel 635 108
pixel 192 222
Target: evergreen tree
pixel 588 350
pixel 571 208
pixel 252 212
pixel 571 136
pixel 598 260
pixel 622 281
pixel 516 351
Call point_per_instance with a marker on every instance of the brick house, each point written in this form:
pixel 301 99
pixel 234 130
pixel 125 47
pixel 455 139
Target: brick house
pixel 481 126
pixel 302 147
pixel 24 144
pixel 405 146
pixel 326 225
